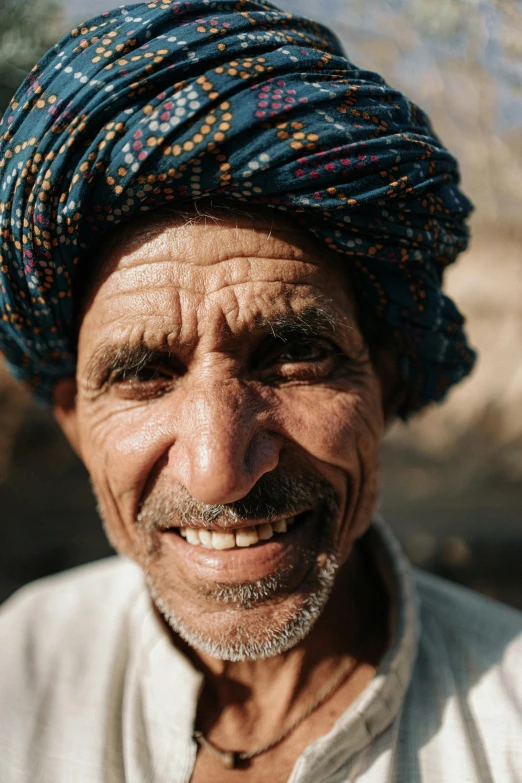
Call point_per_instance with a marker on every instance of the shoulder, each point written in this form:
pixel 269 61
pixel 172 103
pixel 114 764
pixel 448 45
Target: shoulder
pixel 463 710
pixel 67 591
pixel 66 643
pixel 467 618
pixel 470 656
pixel 55 617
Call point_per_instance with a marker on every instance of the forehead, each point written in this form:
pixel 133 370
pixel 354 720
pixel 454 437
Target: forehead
pixel 209 236
pixel 182 266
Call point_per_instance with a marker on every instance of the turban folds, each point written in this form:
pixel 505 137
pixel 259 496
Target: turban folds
pixel 166 102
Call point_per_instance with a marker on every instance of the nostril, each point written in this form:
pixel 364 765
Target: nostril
pixel 263 453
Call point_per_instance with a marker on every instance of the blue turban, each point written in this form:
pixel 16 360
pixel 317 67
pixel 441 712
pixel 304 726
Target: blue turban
pixel 167 102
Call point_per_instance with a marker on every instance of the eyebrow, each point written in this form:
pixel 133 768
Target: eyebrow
pixel 124 358
pixel 312 321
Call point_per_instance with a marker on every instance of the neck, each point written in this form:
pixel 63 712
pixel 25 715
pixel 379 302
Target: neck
pixel 274 691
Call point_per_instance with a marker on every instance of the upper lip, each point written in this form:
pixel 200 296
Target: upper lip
pixel 239 525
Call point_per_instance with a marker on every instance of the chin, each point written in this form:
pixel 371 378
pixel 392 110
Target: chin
pixel 253 620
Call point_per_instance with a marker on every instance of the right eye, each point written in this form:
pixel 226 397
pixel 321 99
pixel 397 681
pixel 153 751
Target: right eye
pixel 142 382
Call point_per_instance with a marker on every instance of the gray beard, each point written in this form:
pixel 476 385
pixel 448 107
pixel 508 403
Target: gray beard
pixel 272 496
pixel 238 644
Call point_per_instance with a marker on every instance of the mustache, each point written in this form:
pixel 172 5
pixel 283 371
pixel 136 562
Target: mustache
pixel 274 496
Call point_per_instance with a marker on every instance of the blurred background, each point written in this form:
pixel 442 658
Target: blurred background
pixel 452 478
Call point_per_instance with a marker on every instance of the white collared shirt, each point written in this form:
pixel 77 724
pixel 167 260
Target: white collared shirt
pixel 92 689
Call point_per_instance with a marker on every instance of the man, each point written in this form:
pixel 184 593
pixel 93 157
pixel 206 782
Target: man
pixel 222 260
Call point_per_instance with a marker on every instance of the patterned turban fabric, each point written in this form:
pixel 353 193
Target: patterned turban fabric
pixel 164 103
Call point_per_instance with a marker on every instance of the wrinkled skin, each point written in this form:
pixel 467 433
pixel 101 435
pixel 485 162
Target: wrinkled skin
pixel 222 403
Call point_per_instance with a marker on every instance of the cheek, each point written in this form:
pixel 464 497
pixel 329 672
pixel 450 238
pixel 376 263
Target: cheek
pixel 120 452
pixel 342 430
pixel 338 427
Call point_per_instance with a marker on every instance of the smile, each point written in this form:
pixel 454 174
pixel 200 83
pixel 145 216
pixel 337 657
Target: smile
pixel 233 539
pixel 245 552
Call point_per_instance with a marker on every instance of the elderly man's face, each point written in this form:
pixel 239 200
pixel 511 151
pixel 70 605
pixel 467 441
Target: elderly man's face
pixel 230 417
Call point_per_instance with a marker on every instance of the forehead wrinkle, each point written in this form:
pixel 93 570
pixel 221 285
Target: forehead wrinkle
pixel 151 277
pixel 179 245
pixel 163 243
pixel 312 314
pixel 205 213
pixel 319 317
pixel 292 309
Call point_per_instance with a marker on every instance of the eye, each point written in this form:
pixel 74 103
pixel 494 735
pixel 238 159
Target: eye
pixel 142 382
pixel 303 359
pixel 138 375
pixel 304 352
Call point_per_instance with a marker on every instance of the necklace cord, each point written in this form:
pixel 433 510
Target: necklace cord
pixel 230 758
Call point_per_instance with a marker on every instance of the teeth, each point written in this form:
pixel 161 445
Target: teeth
pixel 205 536
pixel 280 526
pixel 246 536
pixel 193 536
pixel 222 540
pixel 265 531
pixel 242 537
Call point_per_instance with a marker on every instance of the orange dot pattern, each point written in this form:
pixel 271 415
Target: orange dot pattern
pixel 166 102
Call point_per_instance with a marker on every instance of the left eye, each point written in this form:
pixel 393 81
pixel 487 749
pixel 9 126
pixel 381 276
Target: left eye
pixel 138 375
pixel 303 352
pixel 301 360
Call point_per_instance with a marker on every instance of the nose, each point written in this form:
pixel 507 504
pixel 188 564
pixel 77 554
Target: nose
pixel 224 443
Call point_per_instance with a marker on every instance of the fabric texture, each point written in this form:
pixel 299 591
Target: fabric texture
pixel 165 102
pixel 94 691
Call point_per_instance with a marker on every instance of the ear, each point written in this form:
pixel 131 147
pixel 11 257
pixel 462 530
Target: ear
pixel 393 388
pixel 65 413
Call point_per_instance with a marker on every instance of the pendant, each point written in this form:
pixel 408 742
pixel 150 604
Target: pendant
pixel 228 758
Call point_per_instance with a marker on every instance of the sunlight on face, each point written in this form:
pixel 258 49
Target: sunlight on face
pixel 230 419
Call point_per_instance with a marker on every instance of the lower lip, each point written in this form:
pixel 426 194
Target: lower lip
pixel 249 563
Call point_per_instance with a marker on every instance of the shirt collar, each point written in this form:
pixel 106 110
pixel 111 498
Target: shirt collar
pixel 381 701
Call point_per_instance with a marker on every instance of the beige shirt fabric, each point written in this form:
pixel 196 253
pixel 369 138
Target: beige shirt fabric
pixel 92 689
